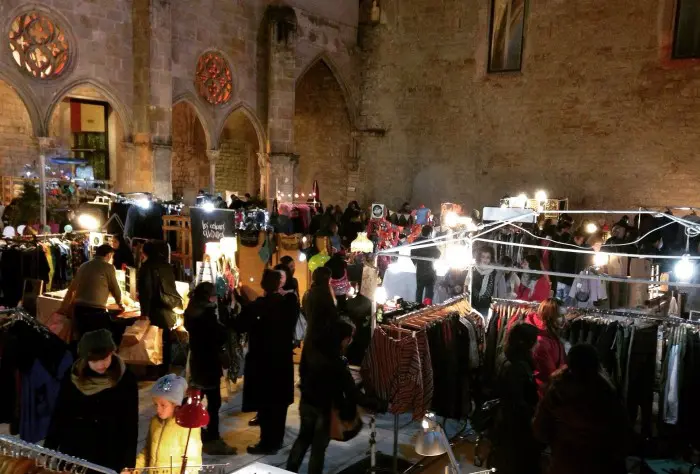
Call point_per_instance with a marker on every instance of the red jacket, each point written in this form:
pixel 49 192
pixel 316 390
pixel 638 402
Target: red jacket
pixel 541 292
pixel 549 353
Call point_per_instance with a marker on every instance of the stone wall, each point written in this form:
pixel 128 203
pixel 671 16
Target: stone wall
pixel 599 114
pixel 236 168
pixel 322 135
pixel 189 153
pixel 17 143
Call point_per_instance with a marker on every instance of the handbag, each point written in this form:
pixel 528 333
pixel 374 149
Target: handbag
pixel 483 417
pixel 224 357
pixel 342 430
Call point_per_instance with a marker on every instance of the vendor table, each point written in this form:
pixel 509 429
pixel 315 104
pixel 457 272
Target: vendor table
pixel 403 285
pixel 49 303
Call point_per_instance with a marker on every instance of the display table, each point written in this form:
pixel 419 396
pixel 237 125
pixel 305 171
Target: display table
pixel 403 284
pixel 260 468
pixel 49 303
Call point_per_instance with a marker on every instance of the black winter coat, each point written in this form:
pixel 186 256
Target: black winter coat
pixel 102 428
pixel 424 268
pixel 515 450
pixel 268 378
pixel 585 424
pixel 207 340
pixel 151 275
pixel 320 313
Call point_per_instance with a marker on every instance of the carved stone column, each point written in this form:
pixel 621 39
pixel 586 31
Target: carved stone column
pixel 46 144
pixel 162 172
pixel 213 156
pixel 264 167
pixel 282 174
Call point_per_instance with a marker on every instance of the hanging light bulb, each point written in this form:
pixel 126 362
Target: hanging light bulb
pixel 302 257
pixel 684 269
pixel 380 295
pixel 591 228
pixel 600 259
pixel 208 206
pixel 540 196
pixel 451 219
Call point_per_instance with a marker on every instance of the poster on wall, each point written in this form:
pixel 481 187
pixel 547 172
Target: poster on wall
pixel 209 227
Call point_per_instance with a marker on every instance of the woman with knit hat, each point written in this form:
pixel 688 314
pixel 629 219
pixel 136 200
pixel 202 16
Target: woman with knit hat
pixel 96 417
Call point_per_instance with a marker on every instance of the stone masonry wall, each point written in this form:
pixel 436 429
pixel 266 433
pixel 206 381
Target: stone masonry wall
pixel 599 114
pixel 17 144
pixel 322 135
pixel 235 168
pixel 189 153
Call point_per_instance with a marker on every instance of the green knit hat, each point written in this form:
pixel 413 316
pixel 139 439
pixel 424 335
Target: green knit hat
pixel 96 345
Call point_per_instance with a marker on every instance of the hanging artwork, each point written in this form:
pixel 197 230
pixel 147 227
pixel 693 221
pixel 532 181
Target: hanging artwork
pixel 38 45
pixel 213 78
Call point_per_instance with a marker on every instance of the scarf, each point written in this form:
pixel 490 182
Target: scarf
pixel 486 274
pixel 94 384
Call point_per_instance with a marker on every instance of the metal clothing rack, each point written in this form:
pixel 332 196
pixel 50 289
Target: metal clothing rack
pixel 47 458
pixel 175 468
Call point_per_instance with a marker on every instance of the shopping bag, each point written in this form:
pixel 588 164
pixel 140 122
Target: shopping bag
pixel 135 333
pixel 148 351
pixel 300 330
pixel 342 430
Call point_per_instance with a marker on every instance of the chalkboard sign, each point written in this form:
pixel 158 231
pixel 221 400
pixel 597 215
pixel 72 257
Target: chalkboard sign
pixel 209 227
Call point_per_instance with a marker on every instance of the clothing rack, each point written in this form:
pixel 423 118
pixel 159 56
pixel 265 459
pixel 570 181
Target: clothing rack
pixel 607 312
pixel 48 458
pixel 444 304
pixel 175 468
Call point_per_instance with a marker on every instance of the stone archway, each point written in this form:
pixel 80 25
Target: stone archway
pixel 322 135
pixel 18 144
pixel 190 165
pixel 84 118
pixel 237 166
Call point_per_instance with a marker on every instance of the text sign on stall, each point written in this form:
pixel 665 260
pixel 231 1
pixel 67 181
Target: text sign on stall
pixel 209 227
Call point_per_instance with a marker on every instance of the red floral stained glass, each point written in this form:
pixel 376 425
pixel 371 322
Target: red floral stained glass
pixel 213 78
pixel 38 45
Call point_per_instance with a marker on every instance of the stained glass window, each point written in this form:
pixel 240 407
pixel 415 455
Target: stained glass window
pixel 213 78
pixel 38 45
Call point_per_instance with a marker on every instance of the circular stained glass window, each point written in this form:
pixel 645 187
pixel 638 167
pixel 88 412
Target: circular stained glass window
pixel 213 78
pixel 38 45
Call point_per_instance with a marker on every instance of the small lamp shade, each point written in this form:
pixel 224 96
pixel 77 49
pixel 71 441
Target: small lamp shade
pixel 362 244
pixel 429 444
pixel 192 414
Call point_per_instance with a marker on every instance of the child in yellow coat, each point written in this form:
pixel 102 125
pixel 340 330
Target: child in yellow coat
pixel 166 440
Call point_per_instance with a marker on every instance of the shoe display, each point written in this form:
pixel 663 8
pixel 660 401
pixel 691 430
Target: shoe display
pixel 258 449
pixel 218 447
pixel 254 421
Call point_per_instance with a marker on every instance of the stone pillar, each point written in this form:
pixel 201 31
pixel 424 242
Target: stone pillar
pixel 282 173
pixel 152 52
pixel 264 167
pixel 46 144
pixel 281 91
pixel 213 156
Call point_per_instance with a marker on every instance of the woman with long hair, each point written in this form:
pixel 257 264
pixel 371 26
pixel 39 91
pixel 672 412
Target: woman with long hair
pixel 582 419
pixel 549 355
pixel 268 382
pixel 533 286
pixel 515 450
pixel 512 281
pixel 319 306
pixel 486 282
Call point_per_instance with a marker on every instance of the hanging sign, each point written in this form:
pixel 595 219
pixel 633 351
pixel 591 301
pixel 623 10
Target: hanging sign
pixel 209 226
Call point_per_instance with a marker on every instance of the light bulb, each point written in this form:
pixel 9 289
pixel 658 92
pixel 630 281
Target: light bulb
pixel 684 269
pixel 208 206
pixel 600 259
pixel 380 295
pixel 451 219
pixel 541 196
pixel 143 203
pixel 302 257
pixel 88 222
pixel 591 228
pixel 458 256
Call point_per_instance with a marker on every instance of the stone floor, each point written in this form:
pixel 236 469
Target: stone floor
pixel 339 456
pixel 236 432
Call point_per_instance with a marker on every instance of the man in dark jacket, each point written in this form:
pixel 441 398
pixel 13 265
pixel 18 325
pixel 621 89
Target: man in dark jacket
pixel 158 295
pixel 425 272
pixel 565 262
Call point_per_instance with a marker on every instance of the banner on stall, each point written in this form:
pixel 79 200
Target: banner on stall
pixel 209 227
